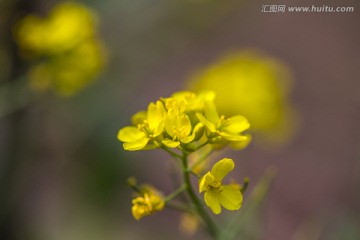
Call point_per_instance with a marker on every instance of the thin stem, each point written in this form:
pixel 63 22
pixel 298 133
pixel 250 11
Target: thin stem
pixel 211 226
pixel 177 206
pixel 202 145
pixel 175 155
pixel 176 193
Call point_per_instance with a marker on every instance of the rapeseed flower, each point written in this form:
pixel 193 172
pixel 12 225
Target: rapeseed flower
pixel 67 53
pixel 193 102
pixel 148 128
pixel 189 122
pixel 222 129
pixel 179 128
pixel 171 122
pixel 65 73
pixel 150 202
pixel 180 121
pixel 66 26
pixel 216 193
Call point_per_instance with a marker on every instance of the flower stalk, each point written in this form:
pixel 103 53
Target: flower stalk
pixel 211 226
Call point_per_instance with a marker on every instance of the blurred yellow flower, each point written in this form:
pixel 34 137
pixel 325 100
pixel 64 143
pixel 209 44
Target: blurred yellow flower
pixel 67 26
pixel 189 223
pixel 217 194
pixel 253 85
pixel 68 73
pixel 65 45
pixel 146 205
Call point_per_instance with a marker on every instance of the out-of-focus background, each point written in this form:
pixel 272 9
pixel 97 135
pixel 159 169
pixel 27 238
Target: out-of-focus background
pixel 66 91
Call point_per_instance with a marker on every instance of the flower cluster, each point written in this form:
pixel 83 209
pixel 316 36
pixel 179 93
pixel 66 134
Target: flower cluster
pixel 188 127
pixel 64 44
pixel 185 121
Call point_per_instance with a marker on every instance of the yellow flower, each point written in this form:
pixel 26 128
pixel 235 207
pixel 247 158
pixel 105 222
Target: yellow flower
pixel 146 205
pixel 66 73
pixel 178 122
pixel 223 129
pixel 217 194
pixel 137 138
pixel 193 102
pixel 188 103
pixel 181 124
pixel 179 128
pixel 64 44
pixel 67 25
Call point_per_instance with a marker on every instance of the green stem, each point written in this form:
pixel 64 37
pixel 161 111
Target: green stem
pixel 173 205
pixel 202 145
pixel 175 194
pixel 175 155
pixel 211 226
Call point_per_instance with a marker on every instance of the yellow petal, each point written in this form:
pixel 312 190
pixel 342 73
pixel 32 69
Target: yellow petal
pixel 170 122
pixel 136 212
pixel 183 95
pixel 212 201
pixel 222 168
pixel 170 143
pixel 205 181
pixel 230 197
pixel 236 124
pixel 159 129
pixel 198 131
pixel 178 126
pixel 211 126
pixel 138 118
pixel 188 139
pixel 241 144
pixel 232 136
pixel 206 95
pixel 130 134
pixel 184 124
pixel 210 112
pixel 155 114
pixel 196 134
pixel 136 145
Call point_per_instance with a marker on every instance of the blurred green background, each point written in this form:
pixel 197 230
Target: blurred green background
pixel 63 172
